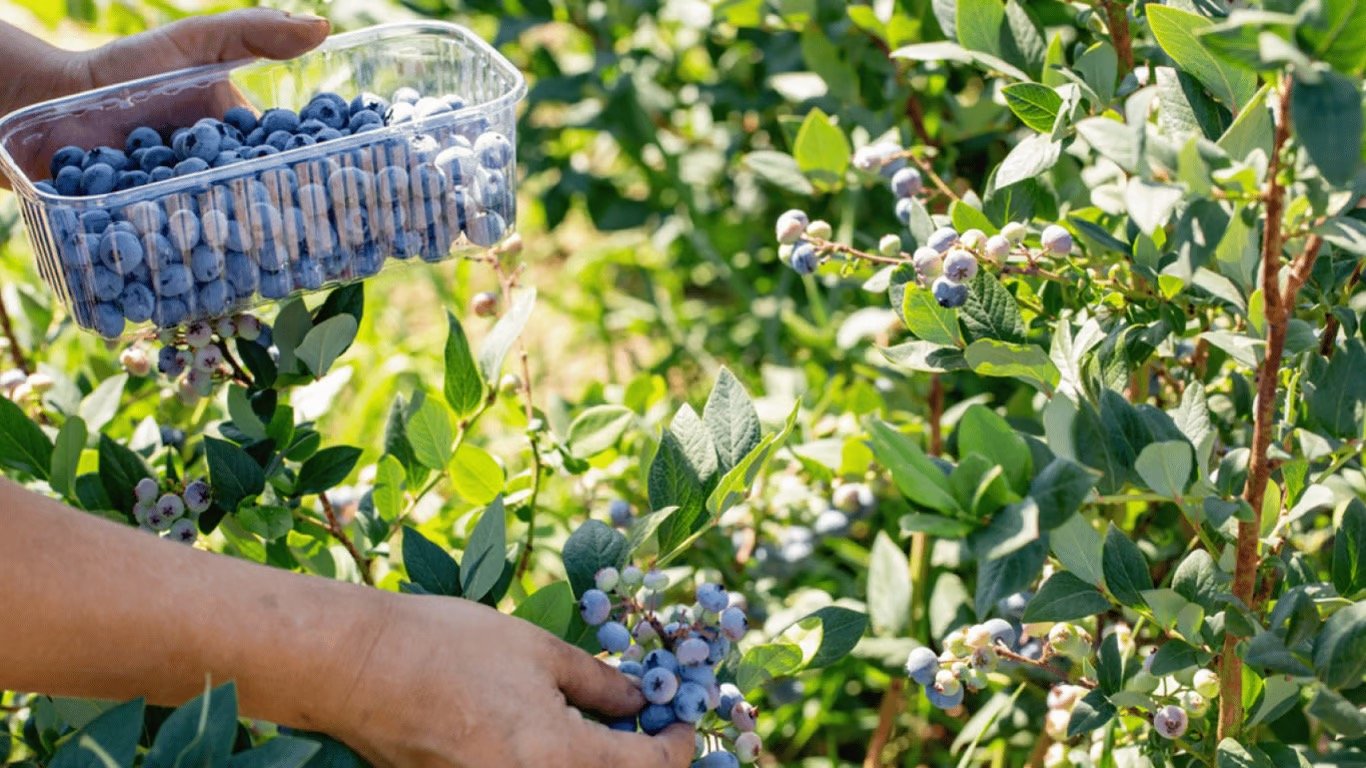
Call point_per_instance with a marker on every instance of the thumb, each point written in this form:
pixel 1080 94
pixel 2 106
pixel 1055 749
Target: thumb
pixel 247 33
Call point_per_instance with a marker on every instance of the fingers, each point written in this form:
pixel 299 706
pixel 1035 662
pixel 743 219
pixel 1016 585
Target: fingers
pixel 248 33
pixel 592 685
pixel 672 748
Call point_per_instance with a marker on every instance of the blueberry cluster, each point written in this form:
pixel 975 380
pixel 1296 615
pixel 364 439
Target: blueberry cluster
pixel 196 358
pixel 969 656
pixel 322 216
pixel 949 258
pixel 675 654
pixel 170 513
pixel 798 537
pixel 22 387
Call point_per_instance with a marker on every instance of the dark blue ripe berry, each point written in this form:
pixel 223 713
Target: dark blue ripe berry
pixel 240 118
pixel 66 156
pixel 950 294
pixel 142 138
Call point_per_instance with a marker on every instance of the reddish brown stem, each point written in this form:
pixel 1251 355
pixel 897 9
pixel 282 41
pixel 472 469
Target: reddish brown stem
pixel 1117 19
pixel 335 528
pixel 886 718
pixel 1330 327
pixel 16 351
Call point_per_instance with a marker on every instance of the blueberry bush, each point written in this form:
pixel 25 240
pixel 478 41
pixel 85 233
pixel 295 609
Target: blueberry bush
pixel 914 382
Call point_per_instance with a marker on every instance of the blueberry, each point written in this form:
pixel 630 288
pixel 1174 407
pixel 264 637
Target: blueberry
pixel 256 137
pixel 263 223
pixel 368 102
pixel 142 138
pixel 66 157
pixel 453 101
pixel 656 718
pixel 1001 631
pixel 949 294
pixel 713 597
pixel 276 285
pixel 485 229
pixel 159 251
pixel 240 118
pixel 960 265
pixel 137 302
pixel 225 158
pixel 308 274
pixel 391 183
pixel 191 165
pixel 108 321
pixel 428 106
pixel 95 221
pixel 1057 240
pixel 183 229
pixel 659 685
pixel 197 496
pixel 241 273
pixel 691 702
pixel 206 263
pixel 174 280
pixel 805 260
pixel 274 120
pixel 942 700
pixel 401 112
pixel 943 239
pixel 107 284
pixel 172 437
pixel 1171 721
pixel 313 201
pixel 161 173
pixel 183 531
pixel 130 179
pixel 595 607
pixel 109 156
pixel 350 188
pixel 457 163
pixel 494 150
pixel 733 623
pixel 331 112
pixel 68 181
pixel 120 251
pixel 730 696
pixel 299 140
pixel 156 157
pixel 45 186
pixel 719 649
pixel 364 118
pixel 279 140
pixel 906 183
pixel 311 127
pixel 633 668
pixel 491 191
pixel 614 637
pixel 718 759
pixel 922 665
pixel 406 95
pixel 328 134
pixel 213 226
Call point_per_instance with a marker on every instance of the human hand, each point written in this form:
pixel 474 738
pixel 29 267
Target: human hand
pixel 445 682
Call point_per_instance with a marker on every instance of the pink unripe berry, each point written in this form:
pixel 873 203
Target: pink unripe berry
pixel 248 327
pixel 1171 722
pixel 136 361
pixel 484 304
pixel 208 359
pixel 791 224
pixel 748 745
pixel 199 334
pixel 997 247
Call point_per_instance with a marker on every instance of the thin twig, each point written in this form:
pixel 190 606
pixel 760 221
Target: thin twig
pixel 15 349
pixel 334 527
pixel 928 170
pixel 239 373
pixel 1328 340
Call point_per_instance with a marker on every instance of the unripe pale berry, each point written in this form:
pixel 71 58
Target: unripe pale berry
pixel 632 577
pixel 889 246
pixel 943 239
pixel 955 643
pixel 208 359
pixel 1056 756
pixel 977 636
pixel 997 247
pixel 170 505
pixel 973 239
pixel 484 304
pixel 656 580
pixel 1001 631
pixel 734 623
pixel 183 531
pixel 1055 723
pixel 225 328
pixel 1063 696
pixel 198 496
pixel 248 327
pixel 136 361
pixel 1015 232
pixel 1171 722
pixel 947 682
pixel 39 382
pixel 713 597
pixel 985 659
pixel 198 334
pixel 748 746
pixel 743 716
pixel 1206 683
pixel 1057 240
pixel 607 579
pixel 509 384
pixel 1193 703
pixel 146 490
pixel 928 262
pixel 820 229
pixel 791 224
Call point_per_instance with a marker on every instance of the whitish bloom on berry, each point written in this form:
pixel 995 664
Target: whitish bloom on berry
pixel 791 224
pixel 656 580
pixel 960 265
pixel 225 328
pixel 197 496
pixel 928 262
pixel 743 716
pixel 632 577
pixel 1064 696
pixel 1193 703
pixel 1055 723
pixel 199 334
pixel 805 260
pixel 170 505
pixel 208 359
pixel 946 682
pixel 977 636
pixel 1206 683
pixel 872 157
pixel 973 239
pixel 1057 240
pixel 607 579
pixel 248 327
pixel 907 183
pixel 997 247
pixel 183 531
pixel 955 643
pixel 146 490
pixel 820 229
pixel 734 624
pixel 943 239
pixel 1171 722
pixel 922 665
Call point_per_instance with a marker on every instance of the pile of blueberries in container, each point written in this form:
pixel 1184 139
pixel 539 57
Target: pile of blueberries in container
pixel 199 251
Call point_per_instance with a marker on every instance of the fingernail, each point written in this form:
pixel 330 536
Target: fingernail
pixel 308 18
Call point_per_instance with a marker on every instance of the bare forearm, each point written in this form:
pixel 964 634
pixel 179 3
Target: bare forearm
pixel 36 70
pixel 106 611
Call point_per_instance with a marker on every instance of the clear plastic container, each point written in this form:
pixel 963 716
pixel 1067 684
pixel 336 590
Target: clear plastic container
pixel 221 240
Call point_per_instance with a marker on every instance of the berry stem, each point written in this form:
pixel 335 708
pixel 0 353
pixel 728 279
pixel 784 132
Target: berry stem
pixel 1330 326
pixel 238 372
pixel 1041 663
pixel 929 171
pixel 16 351
pixel 335 528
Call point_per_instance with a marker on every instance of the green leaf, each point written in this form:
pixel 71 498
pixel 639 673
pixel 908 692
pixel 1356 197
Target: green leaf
pixel 268 522
pixel 927 320
pixel 1027 362
pixel 464 388
pixel 345 300
pixel 946 51
pixel 733 486
pixel 23 446
pixel 258 362
pixel 981 430
pixel 1126 571
pixel 326 468
pixel 1177 31
pixel 766 662
pixel 1337 399
pixel 597 429
pixel 486 553
pixel 1113 140
pixel 1079 548
pixel 1251 129
pixel 325 342
pixel 919 479
pixel 935 525
pixel 779 169
pixel 476 475
pixel 732 420
pixel 1232 754
pixel 551 608
pixel 1338 713
pixel 991 312
pixel 291 326
pixel 889 588
pixel 1336 33
pixel 1030 158
pixel 114 734
pixel 1091 713
pixel 279 752
pixel 390 483
pixel 1007 575
pixel 121 469
pixel 1012 528
pixel 100 406
pixel 590 548
pixel 925 357
pixel 840 628
pixel 1340 650
pixel 66 456
pixel 1174 656
pixel 821 150
pixel 1110 665
pixel 1349 549
pixel 429 432
pixel 981 26
pixel 244 417
pixel 1064 597
pixel 1059 490
pixel 967 217
pixel 1036 105
pixel 1199 580
pixel 1166 467
pixel 1326 112
pixel 428 565
pixel 504 334
pixel 199 733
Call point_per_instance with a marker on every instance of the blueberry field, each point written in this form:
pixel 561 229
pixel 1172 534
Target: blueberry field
pixel 884 383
